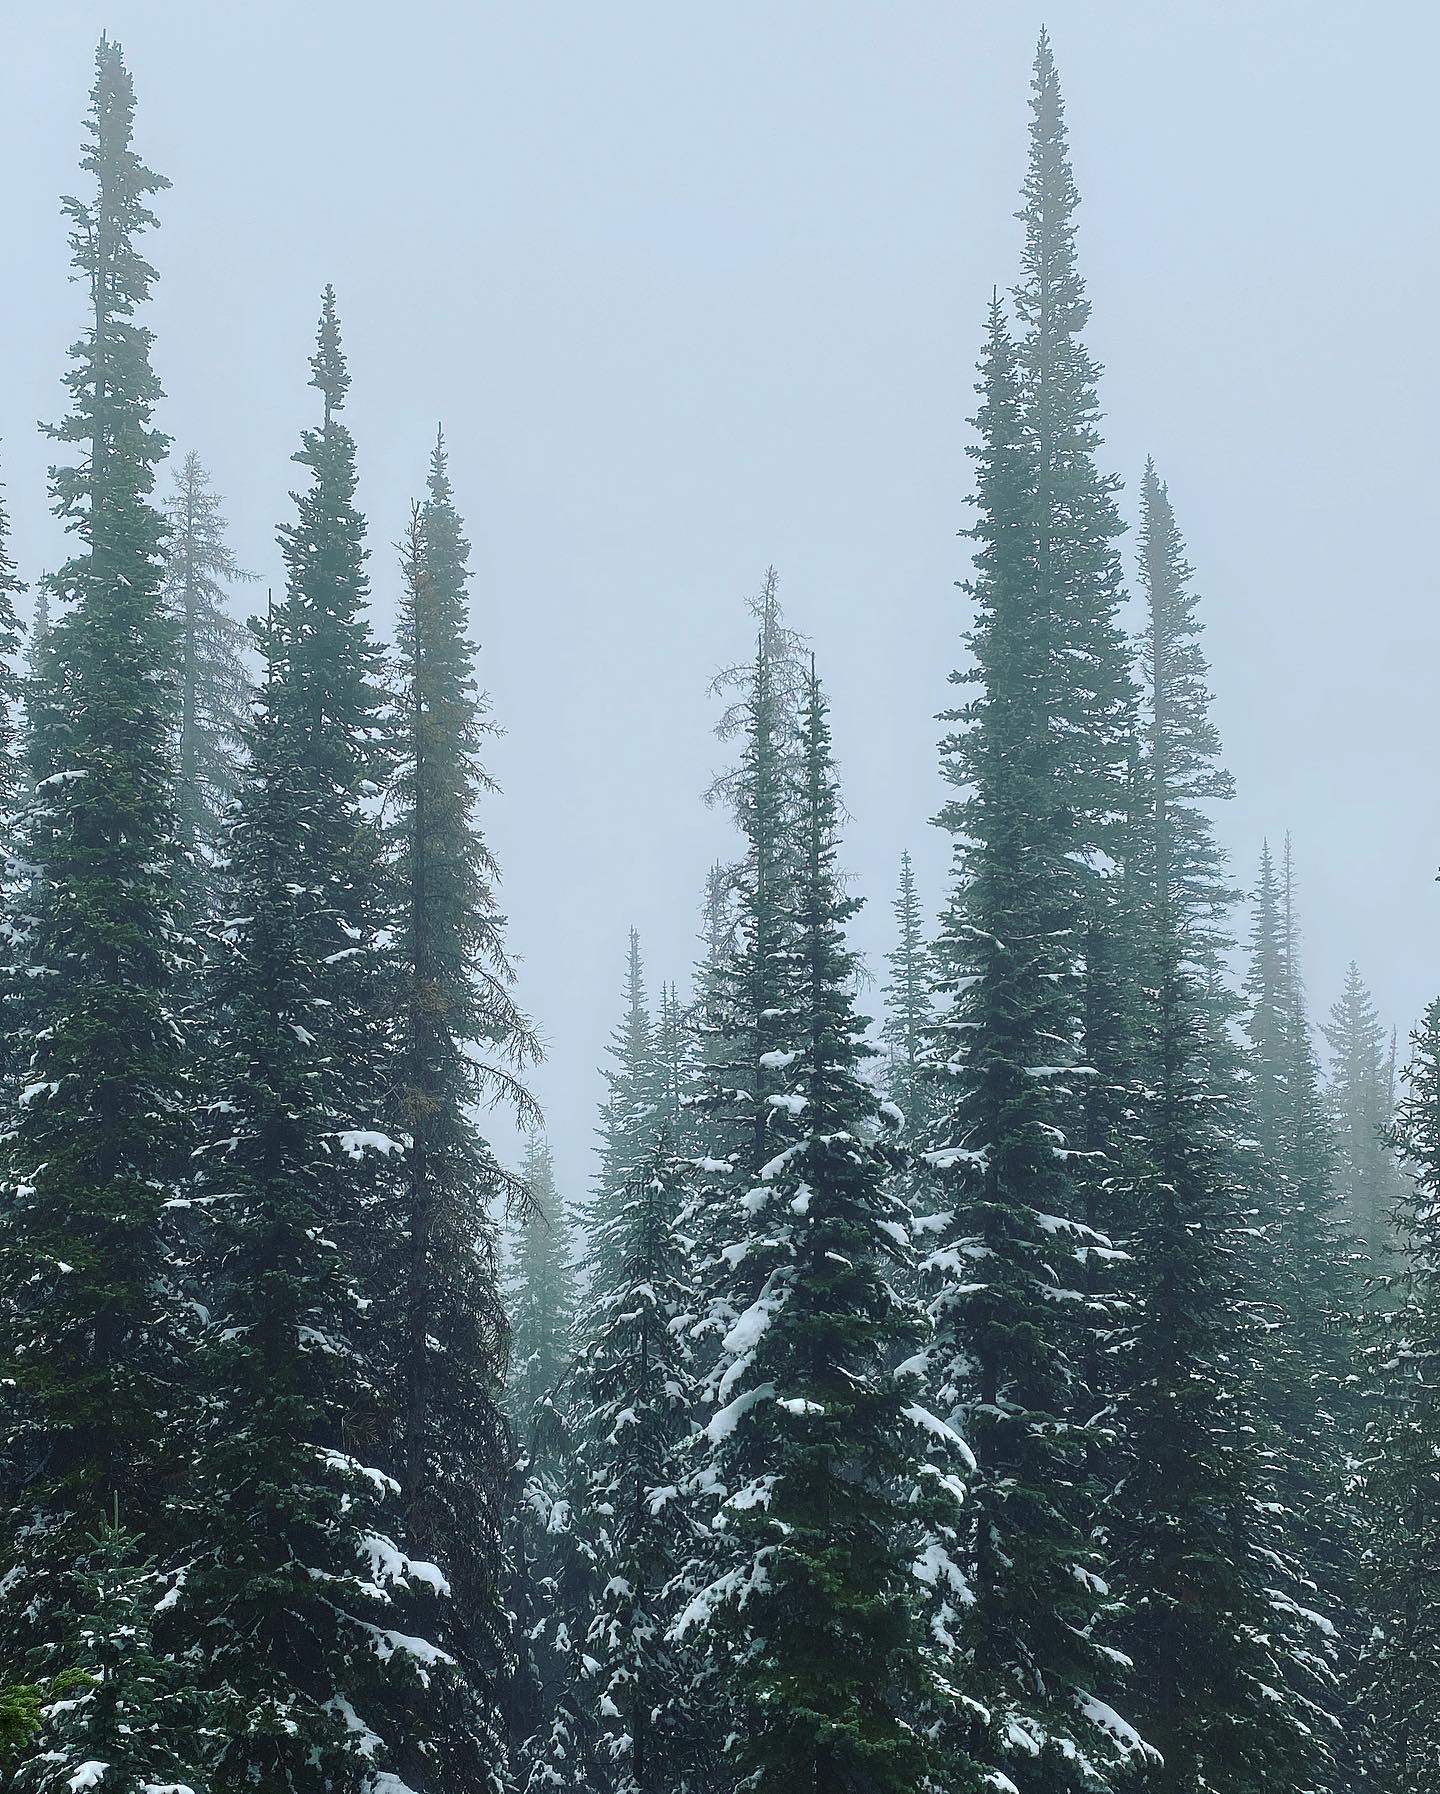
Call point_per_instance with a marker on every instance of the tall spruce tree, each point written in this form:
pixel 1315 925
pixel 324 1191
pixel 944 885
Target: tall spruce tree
pixel 214 679
pixel 90 1315
pixel 302 1570
pixel 785 651
pixel 13 1044
pixel 628 1119
pixel 1309 1281
pixel 465 1042
pixel 1009 1311
pixel 551 1710
pixel 677 1065
pixel 11 635
pixel 1087 693
pixel 1360 1100
pixel 1191 1528
pixel 1182 775
pixel 1399 1683
pixel 808 1456
pixel 908 1008
pixel 1304 1291
pixel 637 1393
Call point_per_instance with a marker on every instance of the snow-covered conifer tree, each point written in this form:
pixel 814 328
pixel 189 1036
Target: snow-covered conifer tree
pixel 464 1042
pixel 1399 1682
pixel 552 1713
pixel 122 1719
pixel 810 1451
pixel 1010 1313
pixel 1360 1099
pixel 11 634
pixel 637 1394
pixel 90 1317
pixel 301 1563
pixel 1196 1546
pixel 628 1119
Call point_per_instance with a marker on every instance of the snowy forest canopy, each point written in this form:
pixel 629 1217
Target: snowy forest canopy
pixel 1034 1388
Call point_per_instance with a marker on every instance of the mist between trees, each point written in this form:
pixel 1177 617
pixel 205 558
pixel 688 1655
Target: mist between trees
pixel 1034 1388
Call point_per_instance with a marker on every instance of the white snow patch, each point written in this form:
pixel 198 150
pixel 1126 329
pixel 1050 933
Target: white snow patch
pixel 726 1419
pixel 360 1140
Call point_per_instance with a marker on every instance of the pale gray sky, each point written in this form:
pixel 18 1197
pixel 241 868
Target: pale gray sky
pixel 697 289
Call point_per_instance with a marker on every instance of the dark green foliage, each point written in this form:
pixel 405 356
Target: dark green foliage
pixel 303 1569
pixel 1183 777
pixel 1083 664
pixel 808 1458
pixel 289 1609
pixel 1399 1683
pixel 1305 1290
pixel 637 1386
pixel 1307 1277
pixel 1009 1310
pixel 464 1042
pixel 1193 1536
pixel 89 1315
pixel 122 1718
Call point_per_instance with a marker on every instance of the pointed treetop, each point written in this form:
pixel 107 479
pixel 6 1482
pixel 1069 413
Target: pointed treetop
pixel 109 127
pixel 327 364
pixel 438 484
pixel 1050 291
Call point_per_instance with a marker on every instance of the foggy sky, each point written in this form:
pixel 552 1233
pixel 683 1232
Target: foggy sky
pixel 697 289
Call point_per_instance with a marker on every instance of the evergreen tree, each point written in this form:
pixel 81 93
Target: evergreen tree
pixel 551 1713
pixel 718 923
pixel 1360 1101
pixel 807 1455
pixel 1009 1310
pixel 11 634
pixel 628 1120
pixel 1400 1668
pixel 908 1016
pixel 1304 1295
pixel 1183 778
pixel 745 1102
pixel 639 1392
pixel 1308 1279
pixel 1086 689
pixel 1076 573
pixel 89 1314
pixel 677 1069
pixel 785 652
pixel 214 681
pixel 13 1045
pixel 1191 1528
pixel 121 1719
pixel 542 1291
pixel 464 1042
pixel 302 1568
pixel 291 1592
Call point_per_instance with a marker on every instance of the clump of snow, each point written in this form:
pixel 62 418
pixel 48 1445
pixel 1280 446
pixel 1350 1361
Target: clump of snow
pixel 724 1421
pixel 358 1141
